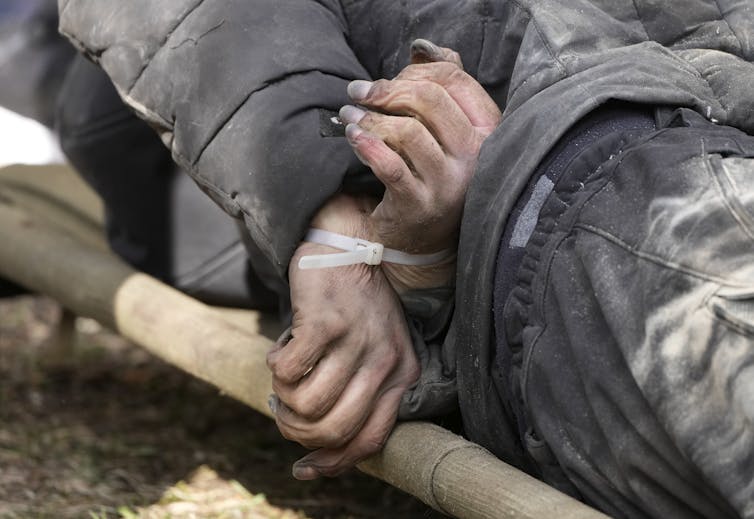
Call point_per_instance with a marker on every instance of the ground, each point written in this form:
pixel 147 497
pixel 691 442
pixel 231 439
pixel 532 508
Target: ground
pixel 108 431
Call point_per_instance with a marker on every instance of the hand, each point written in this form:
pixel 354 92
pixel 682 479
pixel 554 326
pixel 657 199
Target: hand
pixel 425 152
pixel 341 375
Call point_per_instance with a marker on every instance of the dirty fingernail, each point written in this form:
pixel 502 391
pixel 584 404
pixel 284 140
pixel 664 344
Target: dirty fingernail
pixel 304 472
pixel 351 114
pixel 358 90
pixel 425 47
pixel 272 403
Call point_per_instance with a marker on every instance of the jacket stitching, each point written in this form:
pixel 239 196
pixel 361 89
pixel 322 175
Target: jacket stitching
pixel 148 61
pixel 654 258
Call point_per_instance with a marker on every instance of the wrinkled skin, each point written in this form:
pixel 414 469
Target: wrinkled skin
pixel 425 153
pixel 339 377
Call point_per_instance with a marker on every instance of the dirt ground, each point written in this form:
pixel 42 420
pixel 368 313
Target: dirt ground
pixel 107 431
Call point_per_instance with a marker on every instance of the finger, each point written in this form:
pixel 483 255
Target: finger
pixel 369 441
pixel 298 357
pixel 407 136
pixel 424 51
pixel 473 99
pixel 347 416
pixel 427 101
pixel 317 392
pixel 339 426
pixel 387 165
pixel 282 341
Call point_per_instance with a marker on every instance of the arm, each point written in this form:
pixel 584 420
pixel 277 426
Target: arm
pixel 340 374
pixel 339 379
pixel 237 90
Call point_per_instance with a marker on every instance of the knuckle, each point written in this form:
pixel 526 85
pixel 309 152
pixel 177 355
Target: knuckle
pixel 411 127
pixel 288 433
pixel 303 436
pixel 310 407
pixel 286 372
pixel 407 131
pixel 371 121
pixel 272 361
pixel 429 91
pixel 392 170
pixel 445 69
pixel 334 324
pixel 457 75
pixel 455 57
pixel 388 360
pixel 411 71
pixel 337 436
pixel 380 89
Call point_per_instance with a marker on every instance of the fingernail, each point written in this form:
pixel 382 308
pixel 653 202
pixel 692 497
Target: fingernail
pixel 358 90
pixel 304 472
pixel 353 132
pixel 351 114
pixel 425 47
pixel 272 402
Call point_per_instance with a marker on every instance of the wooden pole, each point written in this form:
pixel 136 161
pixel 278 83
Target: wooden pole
pixel 443 470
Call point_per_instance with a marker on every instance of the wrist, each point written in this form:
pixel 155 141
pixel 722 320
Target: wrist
pixel 405 278
pixel 347 215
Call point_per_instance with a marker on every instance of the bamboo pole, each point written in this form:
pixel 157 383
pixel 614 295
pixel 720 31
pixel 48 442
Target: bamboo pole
pixel 448 473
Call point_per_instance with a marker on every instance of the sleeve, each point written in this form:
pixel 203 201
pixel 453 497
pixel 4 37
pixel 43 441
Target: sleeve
pixel 242 92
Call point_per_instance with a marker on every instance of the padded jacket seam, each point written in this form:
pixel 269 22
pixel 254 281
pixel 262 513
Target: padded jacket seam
pixel 148 61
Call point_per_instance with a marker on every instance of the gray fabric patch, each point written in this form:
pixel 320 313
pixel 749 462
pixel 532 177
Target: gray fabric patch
pixel 529 216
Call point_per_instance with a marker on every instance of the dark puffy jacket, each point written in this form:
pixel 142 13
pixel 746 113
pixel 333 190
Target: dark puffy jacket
pixel 240 91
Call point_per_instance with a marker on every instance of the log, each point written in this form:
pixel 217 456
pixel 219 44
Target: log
pixel 445 471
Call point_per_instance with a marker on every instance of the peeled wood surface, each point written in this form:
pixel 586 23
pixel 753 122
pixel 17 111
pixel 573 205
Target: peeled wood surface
pixel 442 469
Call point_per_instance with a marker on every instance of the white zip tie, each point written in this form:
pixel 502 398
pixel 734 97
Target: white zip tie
pixel 361 251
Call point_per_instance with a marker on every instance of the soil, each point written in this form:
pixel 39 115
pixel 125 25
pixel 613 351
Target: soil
pixel 96 428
